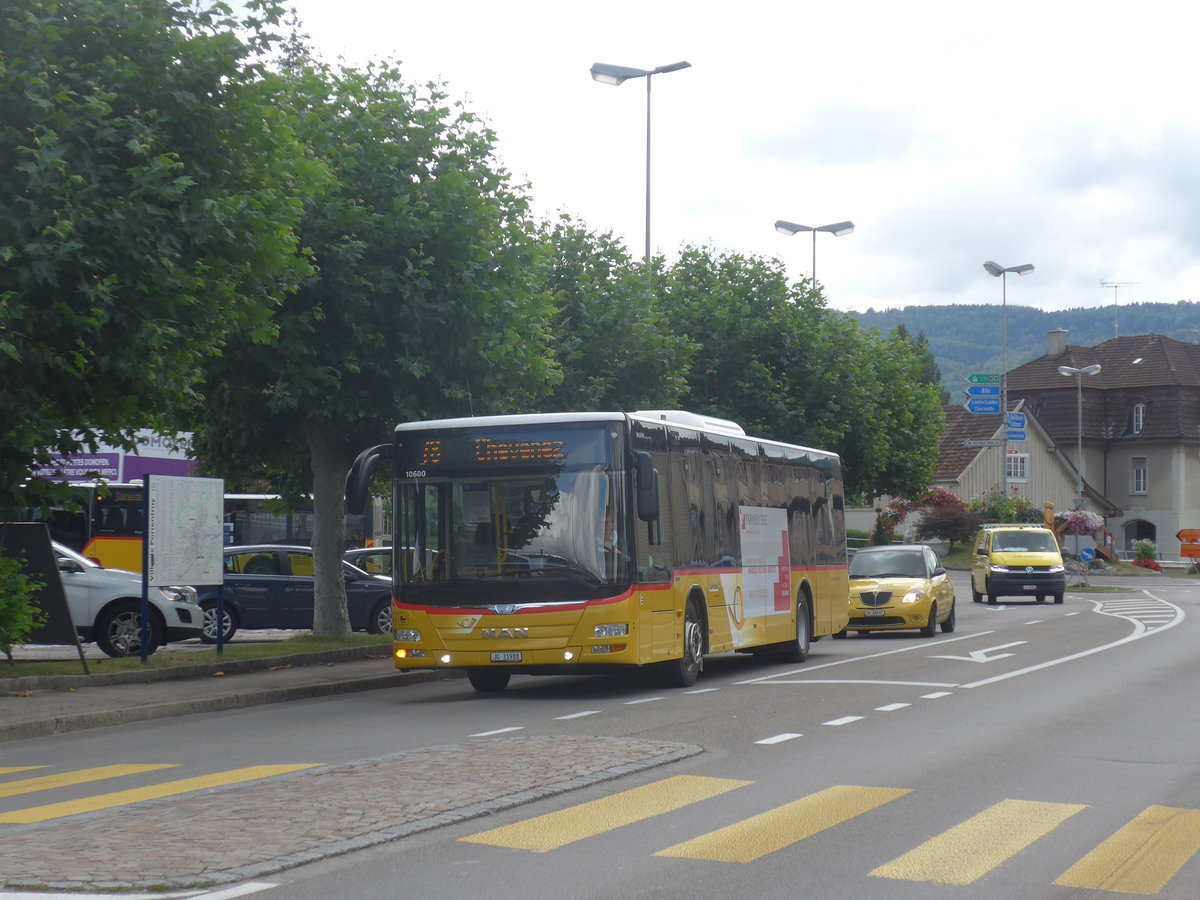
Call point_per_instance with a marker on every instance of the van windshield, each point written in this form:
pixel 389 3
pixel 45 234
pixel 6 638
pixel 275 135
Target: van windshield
pixel 1024 542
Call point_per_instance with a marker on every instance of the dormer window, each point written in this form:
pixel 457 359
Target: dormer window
pixel 1137 419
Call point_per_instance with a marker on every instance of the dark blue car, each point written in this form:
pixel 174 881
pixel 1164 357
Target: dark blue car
pixel 271 586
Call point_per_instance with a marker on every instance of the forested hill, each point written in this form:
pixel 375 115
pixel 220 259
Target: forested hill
pixel 967 338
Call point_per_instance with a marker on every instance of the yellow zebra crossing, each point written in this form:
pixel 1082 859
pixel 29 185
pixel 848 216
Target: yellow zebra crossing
pixel 109 800
pixel 1140 858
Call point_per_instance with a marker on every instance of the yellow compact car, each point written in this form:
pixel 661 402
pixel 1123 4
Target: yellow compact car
pixel 899 586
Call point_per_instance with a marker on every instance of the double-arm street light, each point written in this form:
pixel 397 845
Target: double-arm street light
pixel 1093 369
pixel 608 74
pixel 837 229
pixel 1001 272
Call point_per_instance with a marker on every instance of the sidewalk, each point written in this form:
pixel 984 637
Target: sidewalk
pixel 254 829
pixel 56 704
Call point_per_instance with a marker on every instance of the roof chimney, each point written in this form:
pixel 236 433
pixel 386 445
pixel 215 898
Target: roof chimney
pixel 1058 341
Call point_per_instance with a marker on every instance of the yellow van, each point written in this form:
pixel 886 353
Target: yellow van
pixel 1017 561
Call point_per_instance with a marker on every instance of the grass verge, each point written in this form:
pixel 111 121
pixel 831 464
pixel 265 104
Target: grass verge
pixel 167 657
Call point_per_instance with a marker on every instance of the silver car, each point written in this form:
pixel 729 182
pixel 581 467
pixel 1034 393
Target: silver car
pixel 106 606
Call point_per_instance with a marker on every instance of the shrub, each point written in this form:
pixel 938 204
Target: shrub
pixel 1145 554
pixel 19 613
pixel 993 506
pixel 948 523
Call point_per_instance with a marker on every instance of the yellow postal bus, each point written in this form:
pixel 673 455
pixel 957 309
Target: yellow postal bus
pixel 583 542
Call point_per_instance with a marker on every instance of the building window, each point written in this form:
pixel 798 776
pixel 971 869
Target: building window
pixel 1139 481
pixel 1138 418
pixel 1016 466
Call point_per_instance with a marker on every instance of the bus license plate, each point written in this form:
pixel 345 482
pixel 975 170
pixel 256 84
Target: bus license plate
pixel 876 612
pixel 507 656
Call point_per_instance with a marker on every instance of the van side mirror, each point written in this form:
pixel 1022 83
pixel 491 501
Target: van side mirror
pixel 647 486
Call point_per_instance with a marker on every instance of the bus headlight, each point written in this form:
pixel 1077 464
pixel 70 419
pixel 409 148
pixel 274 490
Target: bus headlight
pixel 608 631
pixel 407 635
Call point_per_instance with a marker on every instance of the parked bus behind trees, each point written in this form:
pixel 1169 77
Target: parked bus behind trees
pixel 105 522
pixel 584 542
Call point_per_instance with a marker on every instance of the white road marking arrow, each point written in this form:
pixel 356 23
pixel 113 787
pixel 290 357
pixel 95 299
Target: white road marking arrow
pixel 981 656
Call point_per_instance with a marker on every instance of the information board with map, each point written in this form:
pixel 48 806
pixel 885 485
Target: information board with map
pixel 183 530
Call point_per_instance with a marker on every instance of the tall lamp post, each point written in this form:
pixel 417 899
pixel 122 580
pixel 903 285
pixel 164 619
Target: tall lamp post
pixel 837 229
pixel 1079 373
pixel 608 74
pixel 1001 272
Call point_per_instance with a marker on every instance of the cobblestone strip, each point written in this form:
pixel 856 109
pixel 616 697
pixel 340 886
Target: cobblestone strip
pixel 250 831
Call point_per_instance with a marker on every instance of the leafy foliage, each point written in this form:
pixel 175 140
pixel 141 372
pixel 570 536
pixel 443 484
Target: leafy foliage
pixel 19 612
pixel 773 358
pixel 608 327
pixel 953 524
pixel 146 211
pixel 1015 509
pixel 424 304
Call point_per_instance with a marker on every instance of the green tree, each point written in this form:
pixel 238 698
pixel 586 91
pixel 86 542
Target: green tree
pixel 773 358
pixel 148 193
pixel 422 305
pixel 608 333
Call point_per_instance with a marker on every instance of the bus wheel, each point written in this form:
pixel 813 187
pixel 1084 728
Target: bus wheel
pixel 797 650
pixel 119 630
pixel 488 681
pixel 684 671
pixel 208 631
pixel 380 620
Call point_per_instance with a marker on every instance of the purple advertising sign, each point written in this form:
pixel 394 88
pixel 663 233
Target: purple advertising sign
pixel 82 467
pixel 138 467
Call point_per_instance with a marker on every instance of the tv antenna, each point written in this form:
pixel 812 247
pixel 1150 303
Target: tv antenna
pixel 1116 286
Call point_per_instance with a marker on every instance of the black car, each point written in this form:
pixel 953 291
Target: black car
pixel 271 586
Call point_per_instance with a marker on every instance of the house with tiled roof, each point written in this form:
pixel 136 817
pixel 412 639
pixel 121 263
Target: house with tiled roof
pixel 1137 421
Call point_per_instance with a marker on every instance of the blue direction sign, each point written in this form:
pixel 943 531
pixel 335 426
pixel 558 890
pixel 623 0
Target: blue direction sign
pixel 983 390
pixel 987 405
pixel 1016 420
pixel 1014 435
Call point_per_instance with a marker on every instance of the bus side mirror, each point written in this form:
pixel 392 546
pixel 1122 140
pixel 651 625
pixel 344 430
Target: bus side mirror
pixel 358 479
pixel 647 487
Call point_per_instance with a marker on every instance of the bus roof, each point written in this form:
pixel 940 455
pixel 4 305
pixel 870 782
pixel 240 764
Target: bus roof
pixel 679 418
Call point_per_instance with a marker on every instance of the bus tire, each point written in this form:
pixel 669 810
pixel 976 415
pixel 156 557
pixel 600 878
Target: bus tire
pixel 684 671
pixel 796 650
pixel 208 631
pixel 488 681
pixel 119 630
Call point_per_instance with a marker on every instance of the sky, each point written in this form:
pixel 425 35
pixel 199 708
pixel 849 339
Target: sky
pixel 1062 134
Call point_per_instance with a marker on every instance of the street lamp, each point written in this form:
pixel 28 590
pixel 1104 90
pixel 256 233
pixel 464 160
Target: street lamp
pixel 998 271
pixel 1079 373
pixel 608 74
pixel 837 229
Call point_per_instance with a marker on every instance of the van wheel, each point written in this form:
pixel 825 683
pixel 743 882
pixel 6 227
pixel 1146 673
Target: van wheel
pixel 119 630
pixel 1058 598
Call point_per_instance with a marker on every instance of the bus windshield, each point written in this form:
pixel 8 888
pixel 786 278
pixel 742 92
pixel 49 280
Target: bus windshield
pixel 539 528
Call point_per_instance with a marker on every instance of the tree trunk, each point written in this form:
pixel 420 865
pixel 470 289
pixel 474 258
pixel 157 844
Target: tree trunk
pixel 329 467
